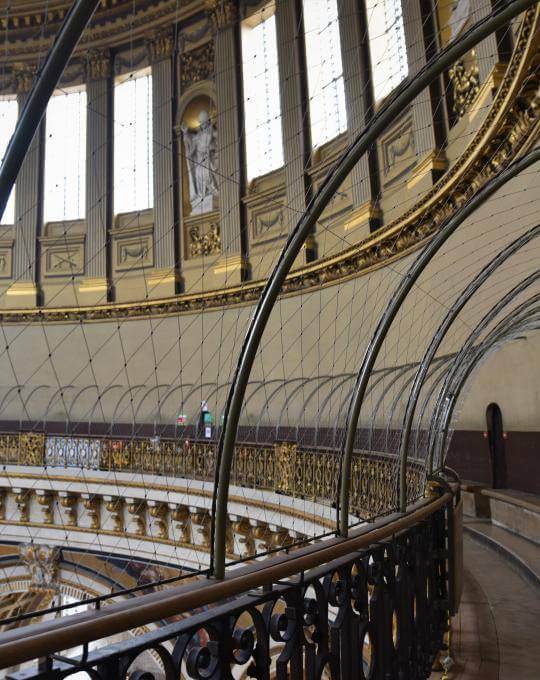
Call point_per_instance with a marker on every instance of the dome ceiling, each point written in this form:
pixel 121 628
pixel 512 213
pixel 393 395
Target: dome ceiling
pixel 28 26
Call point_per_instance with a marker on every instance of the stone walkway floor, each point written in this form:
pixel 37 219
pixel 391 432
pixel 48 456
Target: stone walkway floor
pixel 496 635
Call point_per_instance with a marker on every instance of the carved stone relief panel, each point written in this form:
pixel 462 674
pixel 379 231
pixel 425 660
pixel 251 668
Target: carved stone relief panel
pixel 202 235
pixel 133 242
pixel 397 150
pixel 62 249
pixel 266 204
pixel 6 258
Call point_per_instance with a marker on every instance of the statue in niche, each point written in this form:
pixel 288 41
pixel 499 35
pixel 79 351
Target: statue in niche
pixel 201 154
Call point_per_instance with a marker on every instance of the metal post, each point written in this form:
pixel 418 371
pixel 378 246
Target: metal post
pixel 70 32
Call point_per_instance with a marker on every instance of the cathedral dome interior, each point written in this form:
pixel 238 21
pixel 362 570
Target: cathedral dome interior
pixel 270 339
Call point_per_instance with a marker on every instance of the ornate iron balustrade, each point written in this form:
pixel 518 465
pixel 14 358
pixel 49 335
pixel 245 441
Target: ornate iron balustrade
pixel 375 605
pixel 310 473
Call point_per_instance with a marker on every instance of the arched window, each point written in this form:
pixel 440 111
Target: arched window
pixel 386 45
pixel 262 106
pixel 65 157
pixel 8 120
pixel 324 69
pixel 133 163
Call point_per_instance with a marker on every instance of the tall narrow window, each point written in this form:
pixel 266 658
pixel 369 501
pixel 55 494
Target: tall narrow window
pixel 262 107
pixel 133 174
pixel 65 157
pixel 8 120
pixel 386 45
pixel 325 71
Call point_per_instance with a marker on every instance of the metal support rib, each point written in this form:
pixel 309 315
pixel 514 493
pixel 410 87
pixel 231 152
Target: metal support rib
pixel 495 336
pixel 399 296
pixel 474 335
pixel 70 32
pixel 436 341
pixel 404 94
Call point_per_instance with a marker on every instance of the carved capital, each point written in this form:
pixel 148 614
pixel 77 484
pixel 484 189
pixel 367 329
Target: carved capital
pixel 160 45
pixel 98 64
pixel 222 13
pixel 23 76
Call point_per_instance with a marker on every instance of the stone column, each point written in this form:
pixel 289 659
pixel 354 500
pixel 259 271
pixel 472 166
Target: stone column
pixel 28 211
pixel 358 98
pixel 162 280
pixel 94 287
pixel 223 14
pixel 293 108
pixel 430 160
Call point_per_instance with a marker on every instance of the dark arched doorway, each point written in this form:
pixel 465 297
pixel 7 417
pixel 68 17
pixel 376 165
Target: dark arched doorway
pixel 497 453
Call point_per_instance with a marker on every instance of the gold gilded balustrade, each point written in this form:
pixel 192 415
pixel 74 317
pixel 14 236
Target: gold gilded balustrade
pixel 284 468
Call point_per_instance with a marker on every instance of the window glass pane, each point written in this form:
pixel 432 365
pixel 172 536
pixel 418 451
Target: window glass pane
pixel 262 107
pixel 386 45
pixel 325 72
pixel 133 174
pixel 8 120
pixel 65 157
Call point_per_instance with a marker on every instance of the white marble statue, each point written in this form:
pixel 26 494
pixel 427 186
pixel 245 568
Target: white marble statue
pixel 201 155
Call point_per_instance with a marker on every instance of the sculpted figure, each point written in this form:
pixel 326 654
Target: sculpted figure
pixel 201 154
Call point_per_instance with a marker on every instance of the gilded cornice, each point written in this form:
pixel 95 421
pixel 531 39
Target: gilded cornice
pixel 509 126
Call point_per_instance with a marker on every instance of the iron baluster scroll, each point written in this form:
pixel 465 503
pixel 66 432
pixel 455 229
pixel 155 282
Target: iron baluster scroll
pixel 379 612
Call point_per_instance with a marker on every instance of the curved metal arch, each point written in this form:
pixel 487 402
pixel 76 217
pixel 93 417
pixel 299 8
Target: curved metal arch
pixel 518 318
pixel 60 390
pixel 400 371
pixel 313 392
pixel 282 382
pixel 296 389
pixel 143 399
pixel 403 95
pixel 327 399
pixel 99 399
pixel 6 395
pixel 522 314
pixel 479 329
pixel 175 389
pixel 128 390
pixel 531 324
pixel 448 227
pixel 399 396
pixel 429 396
pixel 32 392
pixel 76 397
pixel 463 298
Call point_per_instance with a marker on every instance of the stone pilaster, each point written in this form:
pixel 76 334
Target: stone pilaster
pixel 358 98
pixel 430 160
pixel 293 107
pixel 28 212
pixel 162 279
pixel 93 288
pixel 227 72
pixel 487 53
